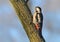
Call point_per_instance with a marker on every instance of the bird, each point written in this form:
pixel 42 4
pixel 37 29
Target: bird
pixel 38 20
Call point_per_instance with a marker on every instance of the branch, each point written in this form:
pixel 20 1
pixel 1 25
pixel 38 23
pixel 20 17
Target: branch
pixel 25 16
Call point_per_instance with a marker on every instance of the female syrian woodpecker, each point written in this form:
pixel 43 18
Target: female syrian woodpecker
pixel 38 20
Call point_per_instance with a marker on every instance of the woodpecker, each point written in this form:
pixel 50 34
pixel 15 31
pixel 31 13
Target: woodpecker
pixel 38 18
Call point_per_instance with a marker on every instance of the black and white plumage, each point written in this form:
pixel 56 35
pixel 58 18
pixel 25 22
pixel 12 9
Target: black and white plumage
pixel 38 18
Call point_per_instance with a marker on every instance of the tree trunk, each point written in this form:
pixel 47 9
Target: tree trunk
pixel 25 16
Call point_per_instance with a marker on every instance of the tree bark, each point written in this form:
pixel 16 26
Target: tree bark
pixel 25 16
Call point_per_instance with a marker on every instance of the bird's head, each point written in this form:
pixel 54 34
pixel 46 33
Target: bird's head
pixel 37 9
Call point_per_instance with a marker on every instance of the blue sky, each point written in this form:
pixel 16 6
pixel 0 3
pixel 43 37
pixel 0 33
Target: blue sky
pixel 11 29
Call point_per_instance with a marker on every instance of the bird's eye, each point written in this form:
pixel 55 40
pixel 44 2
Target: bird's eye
pixel 36 11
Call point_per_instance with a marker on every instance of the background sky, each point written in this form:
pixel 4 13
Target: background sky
pixel 11 29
